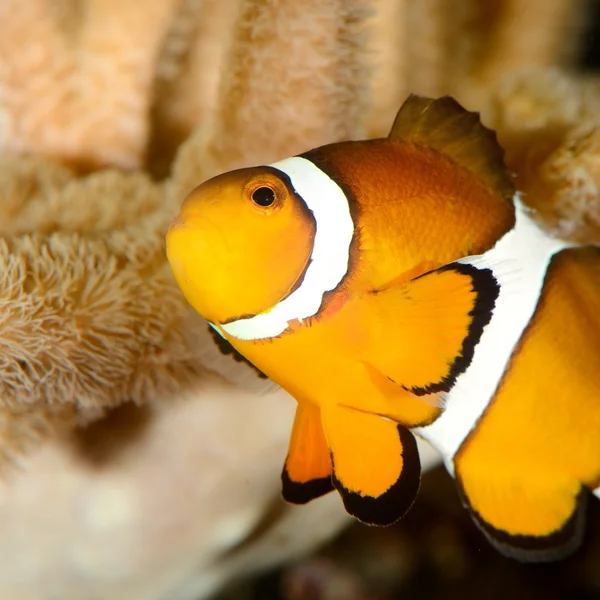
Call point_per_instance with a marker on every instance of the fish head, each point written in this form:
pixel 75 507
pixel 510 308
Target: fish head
pixel 240 243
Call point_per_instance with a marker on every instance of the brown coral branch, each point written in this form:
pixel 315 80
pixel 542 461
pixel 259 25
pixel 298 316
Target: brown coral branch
pixel 310 72
pixel 60 96
pixel 549 123
pixel 188 75
pixel 436 47
pixel 390 66
pixel 91 315
pixel 502 31
pixel 504 36
pixel 81 324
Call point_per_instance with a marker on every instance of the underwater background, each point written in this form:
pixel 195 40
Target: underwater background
pixel 147 460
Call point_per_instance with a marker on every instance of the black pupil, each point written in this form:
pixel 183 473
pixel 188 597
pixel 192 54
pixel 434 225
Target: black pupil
pixel 263 196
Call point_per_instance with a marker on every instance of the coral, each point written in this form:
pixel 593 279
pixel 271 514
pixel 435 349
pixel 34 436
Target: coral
pixel 327 50
pixel 101 83
pixel 437 47
pixel 549 123
pixel 156 504
pixel 149 461
pixel 83 268
pixel 76 78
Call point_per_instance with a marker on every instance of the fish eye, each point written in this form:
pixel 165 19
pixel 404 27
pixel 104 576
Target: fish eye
pixel 263 196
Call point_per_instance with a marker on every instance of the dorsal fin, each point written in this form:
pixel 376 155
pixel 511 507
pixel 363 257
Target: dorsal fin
pixel 442 124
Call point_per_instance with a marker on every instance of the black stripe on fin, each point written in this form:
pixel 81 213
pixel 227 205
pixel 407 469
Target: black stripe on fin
pixel 486 288
pixel 397 500
pixel 297 492
pixel 538 549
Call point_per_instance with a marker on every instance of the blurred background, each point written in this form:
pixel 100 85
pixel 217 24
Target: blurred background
pixel 140 460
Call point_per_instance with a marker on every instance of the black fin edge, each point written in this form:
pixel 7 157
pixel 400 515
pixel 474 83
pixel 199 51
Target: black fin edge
pixel 537 549
pixel 398 499
pixel 487 290
pixel 296 492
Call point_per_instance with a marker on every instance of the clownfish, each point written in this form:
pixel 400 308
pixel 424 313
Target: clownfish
pixel 400 286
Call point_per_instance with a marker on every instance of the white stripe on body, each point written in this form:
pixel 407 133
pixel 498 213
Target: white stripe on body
pixel 329 259
pixel 519 261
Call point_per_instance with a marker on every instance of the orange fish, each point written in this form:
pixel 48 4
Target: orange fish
pixel 397 286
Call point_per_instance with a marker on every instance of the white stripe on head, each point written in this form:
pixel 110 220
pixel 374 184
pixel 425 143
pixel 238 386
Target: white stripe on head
pixel 329 259
pixel 519 261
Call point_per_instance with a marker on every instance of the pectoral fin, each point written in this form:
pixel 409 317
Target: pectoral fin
pixel 427 328
pixel 307 471
pixel 376 467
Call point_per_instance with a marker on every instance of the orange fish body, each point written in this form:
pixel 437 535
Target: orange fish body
pixel 398 284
